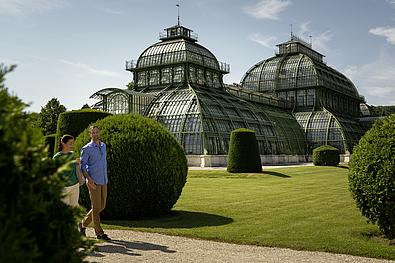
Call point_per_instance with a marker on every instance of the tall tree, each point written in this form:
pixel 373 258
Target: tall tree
pixel 49 115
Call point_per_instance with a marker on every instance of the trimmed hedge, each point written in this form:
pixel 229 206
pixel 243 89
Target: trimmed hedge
pixel 147 168
pixel 372 175
pixel 74 122
pixel 49 140
pixel 243 152
pixel 35 225
pixel 326 155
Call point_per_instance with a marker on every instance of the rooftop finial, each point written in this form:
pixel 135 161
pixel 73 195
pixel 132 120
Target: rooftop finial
pixel 291 31
pixel 311 40
pixel 178 12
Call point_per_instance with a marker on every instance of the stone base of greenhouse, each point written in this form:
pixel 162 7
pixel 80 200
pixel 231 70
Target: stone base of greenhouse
pixel 221 160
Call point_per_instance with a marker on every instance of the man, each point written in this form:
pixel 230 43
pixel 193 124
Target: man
pixel 94 168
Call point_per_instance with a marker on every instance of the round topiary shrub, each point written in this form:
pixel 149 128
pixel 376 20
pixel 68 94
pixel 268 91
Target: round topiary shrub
pixel 74 122
pixel 49 140
pixel 372 175
pixel 243 152
pixel 35 225
pixel 147 168
pixel 326 155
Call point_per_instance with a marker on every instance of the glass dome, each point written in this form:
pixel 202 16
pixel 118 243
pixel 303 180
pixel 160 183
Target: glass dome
pixel 177 59
pixel 296 71
pixel 177 51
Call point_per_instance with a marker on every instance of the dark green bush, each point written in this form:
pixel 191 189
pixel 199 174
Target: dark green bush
pixel 372 175
pixel 50 142
pixel 326 155
pixel 74 122
pixel 35 225
pixel 243 152
pixel 147 167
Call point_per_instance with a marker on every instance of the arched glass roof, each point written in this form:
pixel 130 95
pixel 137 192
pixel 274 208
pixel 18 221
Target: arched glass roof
pixel 202 120
pixel 326 128
pixel 294 71
pixel 177 51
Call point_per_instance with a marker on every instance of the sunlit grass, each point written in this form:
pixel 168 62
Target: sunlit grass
pixel 305 208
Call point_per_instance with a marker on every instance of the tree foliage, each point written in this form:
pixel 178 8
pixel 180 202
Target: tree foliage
pixel 381 110
pixel 35 225
pixel 49 115
pixel 372 175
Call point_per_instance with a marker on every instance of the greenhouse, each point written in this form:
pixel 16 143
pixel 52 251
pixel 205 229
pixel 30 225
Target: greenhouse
pixel 180 83
pixel 325 102
pixel 293 101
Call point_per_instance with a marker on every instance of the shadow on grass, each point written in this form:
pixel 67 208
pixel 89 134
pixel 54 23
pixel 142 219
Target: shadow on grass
pixel 343 166
pixel 276 174
pixel 377 237
pixel 176 219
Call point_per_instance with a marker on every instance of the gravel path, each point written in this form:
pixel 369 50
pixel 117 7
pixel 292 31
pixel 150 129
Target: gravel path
pixel 131 246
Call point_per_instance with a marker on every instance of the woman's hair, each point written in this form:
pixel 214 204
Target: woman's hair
pixel 65 138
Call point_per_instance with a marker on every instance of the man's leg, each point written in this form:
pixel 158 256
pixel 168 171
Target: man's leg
pixel 103 197
pixel 96 206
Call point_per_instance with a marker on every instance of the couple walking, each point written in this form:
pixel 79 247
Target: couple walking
pixel 93 164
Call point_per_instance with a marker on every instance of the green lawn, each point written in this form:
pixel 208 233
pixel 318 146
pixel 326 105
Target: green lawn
pixel 304 208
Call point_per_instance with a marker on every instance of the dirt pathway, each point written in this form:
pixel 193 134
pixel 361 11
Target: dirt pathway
pixel 131 246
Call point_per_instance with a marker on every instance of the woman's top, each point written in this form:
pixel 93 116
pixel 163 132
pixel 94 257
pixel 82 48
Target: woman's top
pixel 70 174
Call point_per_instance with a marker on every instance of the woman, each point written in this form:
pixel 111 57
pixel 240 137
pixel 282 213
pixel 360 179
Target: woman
pixel 65 153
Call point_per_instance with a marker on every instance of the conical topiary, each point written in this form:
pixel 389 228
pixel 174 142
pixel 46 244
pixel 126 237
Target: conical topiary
pixel 243 152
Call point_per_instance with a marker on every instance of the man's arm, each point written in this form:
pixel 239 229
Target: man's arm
pixel 84 162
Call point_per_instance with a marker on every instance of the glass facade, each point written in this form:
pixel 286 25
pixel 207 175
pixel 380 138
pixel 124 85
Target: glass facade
pixel 298 74
pixel 191 100
pixel 293 101
pixel 325 102
pixel 202 120
pixel 324 128
pixel 120 101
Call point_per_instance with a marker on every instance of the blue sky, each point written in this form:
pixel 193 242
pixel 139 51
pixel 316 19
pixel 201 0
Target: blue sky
pixel 69 49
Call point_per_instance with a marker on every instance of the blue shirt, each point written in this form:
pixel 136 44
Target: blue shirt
pixel 94 162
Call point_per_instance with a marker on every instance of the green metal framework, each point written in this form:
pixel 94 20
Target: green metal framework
pixel 324 128
pixel 121 101
pixel 202 120
pixel 325 102
pixel 180 83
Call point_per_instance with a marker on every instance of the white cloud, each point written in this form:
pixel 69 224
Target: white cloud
pixel 304 28
pixel 387 32
pixel 391 2
pixel 90 69
pixel 267 9
pixel 23 7
pixel 375 80
pixel 267 41
pixel 112 11
pixel 319 41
